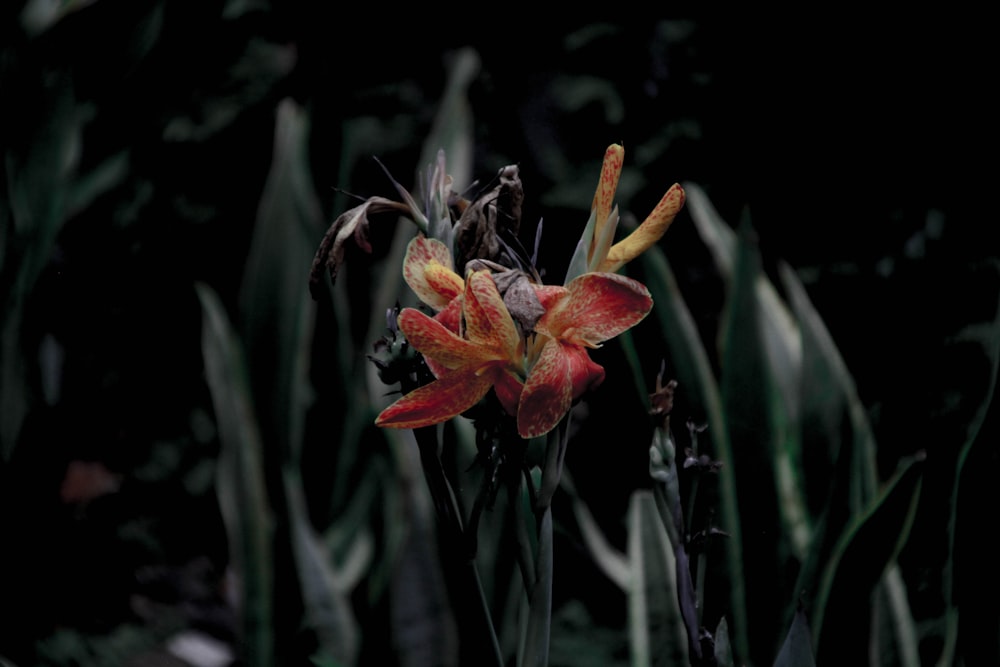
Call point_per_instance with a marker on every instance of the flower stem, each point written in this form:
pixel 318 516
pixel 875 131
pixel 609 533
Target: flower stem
pixel 525 542
pixel 472 613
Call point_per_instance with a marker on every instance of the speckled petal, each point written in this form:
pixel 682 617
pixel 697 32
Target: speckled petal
pixel 508 387
pixel 597 307
pixel 550 295
pixel 436 402
pixel 436 342
pixel 648 233
pixel 584 373
pixel 443 281
pixel 427 270
pixel 451 315
pixel 548 392
pixel 487 320
pixel 604 196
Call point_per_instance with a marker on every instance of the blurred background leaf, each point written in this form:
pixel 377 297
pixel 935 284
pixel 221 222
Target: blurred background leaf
pixel 657 630
pixel 797 647
pixel 243 496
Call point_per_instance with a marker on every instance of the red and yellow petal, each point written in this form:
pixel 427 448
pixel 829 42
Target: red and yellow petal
pixel 427 270
pixel 604 196
pixel 451 315
pixel 548 392
pixel 584 373
pixel 443 281
pixel 442 399
pixel 487 320
pixel 549 295
pixel 433 340
pixel 648 233
pixel 508 387
pixel 597 307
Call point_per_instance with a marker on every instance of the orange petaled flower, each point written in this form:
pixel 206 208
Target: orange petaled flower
pixel 472 343
pixel 602 256
pixel 591 309
pixel 491 354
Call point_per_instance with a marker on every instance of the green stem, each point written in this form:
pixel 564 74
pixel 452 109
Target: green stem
pixel 468 600
pixel 525 545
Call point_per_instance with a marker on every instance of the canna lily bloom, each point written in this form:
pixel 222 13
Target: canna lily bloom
pixel 601 257
pixel 591 309
pixel 427 270
pixel 490 355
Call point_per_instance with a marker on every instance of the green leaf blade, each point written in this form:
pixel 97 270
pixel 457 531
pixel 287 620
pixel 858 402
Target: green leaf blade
pixel 240 478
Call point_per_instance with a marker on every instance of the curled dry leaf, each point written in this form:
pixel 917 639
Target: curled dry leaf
pixel 351 223
pixel 492 221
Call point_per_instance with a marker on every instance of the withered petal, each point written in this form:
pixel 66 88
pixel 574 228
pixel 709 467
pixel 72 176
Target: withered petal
pixel 353 222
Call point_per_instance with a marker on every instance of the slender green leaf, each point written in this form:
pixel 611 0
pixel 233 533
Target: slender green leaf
pixel 349 538
pixel 98 180
pixel 797 649
pixel 423 626
pixel 780 338
pixel 277 311
pixel 535 650
pixel 989 336
pixel 866 548
pixel 423 623
pixel 325 594
pixel 452 129
pixel 904 628
pixel 240 478
pixel 829 389
pixel 38 187
pixel 778 341
pixel 750 399
pixel 714 232
pixel 526 530
pixel 556 443
pixel 829 401
pixel 656 628
pixel 723 650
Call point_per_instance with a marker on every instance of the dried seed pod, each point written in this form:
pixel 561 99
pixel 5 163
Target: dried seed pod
pixel 515 286
pixel 491 222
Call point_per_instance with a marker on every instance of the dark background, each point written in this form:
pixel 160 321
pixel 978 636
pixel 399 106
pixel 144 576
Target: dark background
pixel 861 150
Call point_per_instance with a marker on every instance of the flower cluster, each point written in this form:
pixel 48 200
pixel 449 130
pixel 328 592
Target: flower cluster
pixel 537 366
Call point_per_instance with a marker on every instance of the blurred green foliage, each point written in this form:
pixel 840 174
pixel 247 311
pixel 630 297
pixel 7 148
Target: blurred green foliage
pixel 168 169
